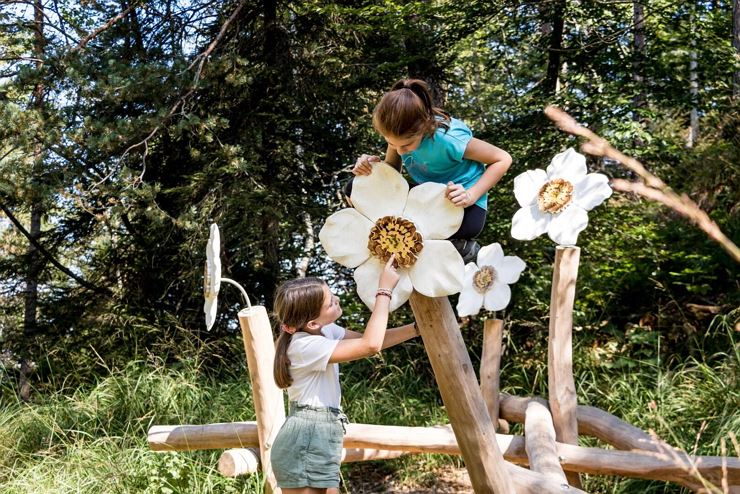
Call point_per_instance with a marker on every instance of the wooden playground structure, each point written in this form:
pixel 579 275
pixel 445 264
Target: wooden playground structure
pixel 495 462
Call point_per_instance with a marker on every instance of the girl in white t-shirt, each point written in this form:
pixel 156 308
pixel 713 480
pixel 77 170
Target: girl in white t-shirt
pixel 307 451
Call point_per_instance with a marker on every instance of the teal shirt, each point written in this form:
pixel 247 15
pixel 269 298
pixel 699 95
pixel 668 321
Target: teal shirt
pixel 440 159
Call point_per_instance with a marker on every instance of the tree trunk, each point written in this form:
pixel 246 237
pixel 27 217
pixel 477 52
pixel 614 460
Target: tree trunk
pixel 638 58
pixel 693 85
pixel 556 15
pixel 736 44
pixel 34 259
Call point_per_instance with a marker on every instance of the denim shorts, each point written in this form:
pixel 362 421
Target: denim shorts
pixel 308 449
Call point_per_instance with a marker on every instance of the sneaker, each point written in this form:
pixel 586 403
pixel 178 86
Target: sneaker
pixel 468 248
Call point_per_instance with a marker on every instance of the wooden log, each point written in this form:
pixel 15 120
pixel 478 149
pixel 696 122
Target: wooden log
pixel 490 366
pixel 592 421
pixel 560 383
pixel 672 466
pixel 268 398
pixel 240 461
pixel 539 440
pixel 461 395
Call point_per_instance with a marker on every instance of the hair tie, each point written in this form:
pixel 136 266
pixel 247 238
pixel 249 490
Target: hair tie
pixel 286 328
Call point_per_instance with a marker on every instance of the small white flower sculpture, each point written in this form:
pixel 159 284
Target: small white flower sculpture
pixel 487 281
pixel 212 278
pixel 556 201
pixel 387 219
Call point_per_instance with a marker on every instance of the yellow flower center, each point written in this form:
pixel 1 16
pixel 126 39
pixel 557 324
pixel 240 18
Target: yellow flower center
pixel 394 235
pixel 555 196
pixel 207 287
pixel 484 278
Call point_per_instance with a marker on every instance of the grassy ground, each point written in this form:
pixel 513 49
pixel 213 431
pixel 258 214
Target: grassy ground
pixel 92 439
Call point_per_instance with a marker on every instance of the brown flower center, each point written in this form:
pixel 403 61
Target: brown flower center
pixel 207 287
pixel 555 196
pixel 394 235
pixel 484 278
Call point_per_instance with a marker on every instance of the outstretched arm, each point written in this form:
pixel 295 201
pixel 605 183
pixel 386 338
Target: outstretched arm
pixel 497 162
pixel 393 336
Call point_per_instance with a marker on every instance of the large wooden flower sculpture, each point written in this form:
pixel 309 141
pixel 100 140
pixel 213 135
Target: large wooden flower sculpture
pixel 212 276
pixel 556 201
pixel 387 219
pixel 487 281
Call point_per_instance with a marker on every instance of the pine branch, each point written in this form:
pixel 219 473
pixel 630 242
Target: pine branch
pixel 50 257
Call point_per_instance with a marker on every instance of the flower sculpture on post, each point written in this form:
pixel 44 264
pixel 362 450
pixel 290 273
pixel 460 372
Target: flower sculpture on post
pixel 556 201
pixel 387 219
pixel 487 281
pixel 212 278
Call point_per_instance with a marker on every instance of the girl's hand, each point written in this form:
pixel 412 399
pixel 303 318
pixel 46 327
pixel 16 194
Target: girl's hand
pixel 363 165
pixel 458 195
pixel 389 277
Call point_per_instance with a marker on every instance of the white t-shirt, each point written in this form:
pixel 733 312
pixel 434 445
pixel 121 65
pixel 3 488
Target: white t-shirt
pixel 315 381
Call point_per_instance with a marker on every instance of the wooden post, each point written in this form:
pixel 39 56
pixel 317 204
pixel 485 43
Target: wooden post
pixel 560 383
pixel 490 369
pixel 461 395
pixel 539 438
pixel 269 408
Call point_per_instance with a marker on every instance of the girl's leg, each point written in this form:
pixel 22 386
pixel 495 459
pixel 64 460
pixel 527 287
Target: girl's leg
pixel 474 219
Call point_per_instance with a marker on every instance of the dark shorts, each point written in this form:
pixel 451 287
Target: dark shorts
pixel 308 449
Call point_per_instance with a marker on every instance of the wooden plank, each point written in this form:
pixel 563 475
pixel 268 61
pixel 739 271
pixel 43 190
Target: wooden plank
pixel 673 465
pixel 539 439
pixel 268 398
pixel 490 366
pixel 461 394
pixel 560 383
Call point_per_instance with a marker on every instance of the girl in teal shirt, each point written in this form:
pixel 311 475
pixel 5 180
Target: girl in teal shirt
pixel 434 147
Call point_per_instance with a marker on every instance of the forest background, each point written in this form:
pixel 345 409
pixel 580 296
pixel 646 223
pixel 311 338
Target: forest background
pixel 127 127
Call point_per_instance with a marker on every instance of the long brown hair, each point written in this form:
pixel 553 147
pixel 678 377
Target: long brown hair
pixel 408 110
pixel 296 303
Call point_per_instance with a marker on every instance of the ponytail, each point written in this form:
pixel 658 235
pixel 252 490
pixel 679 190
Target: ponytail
pixel 296 303
pixel 408 109
pixel 281 368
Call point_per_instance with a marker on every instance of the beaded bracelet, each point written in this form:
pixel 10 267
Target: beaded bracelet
pixel 384 294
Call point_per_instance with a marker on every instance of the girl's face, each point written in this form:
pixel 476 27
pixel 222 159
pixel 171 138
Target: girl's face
pixel 404 145
pixel 330 312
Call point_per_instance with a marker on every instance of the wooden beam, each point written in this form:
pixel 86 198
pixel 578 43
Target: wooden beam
pixel 240 461
pixel 591 421
pixel 269 408
pixel 461 395
pixel 490 366
pixel 673 466
pixel 560 383
pixel 539 440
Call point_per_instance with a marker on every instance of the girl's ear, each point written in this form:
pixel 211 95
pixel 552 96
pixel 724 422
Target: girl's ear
pixel 313 324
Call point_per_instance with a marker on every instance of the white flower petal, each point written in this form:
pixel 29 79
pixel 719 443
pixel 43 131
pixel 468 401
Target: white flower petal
pixel 432 212
pixel 213 261
pixel 490 255
pixel 569 165
pixel 382 193
pixel 439 270
pixel 470 300
pixel 367 276
pixel 591 190
pixel 497 297
pixel 509 269
pixel 529 223
pixel 565 227
pixel 210 308
pixel 344 237
pixel 527 185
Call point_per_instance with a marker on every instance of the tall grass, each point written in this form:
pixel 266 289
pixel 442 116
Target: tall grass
pixel 93 438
